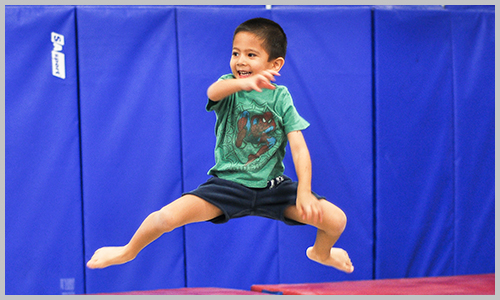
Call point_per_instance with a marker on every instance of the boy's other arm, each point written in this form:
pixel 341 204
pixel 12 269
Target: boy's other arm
pixel 307 204
pixel 223 88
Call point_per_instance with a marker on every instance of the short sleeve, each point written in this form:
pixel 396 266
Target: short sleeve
pixel 292 120
pixel 211 105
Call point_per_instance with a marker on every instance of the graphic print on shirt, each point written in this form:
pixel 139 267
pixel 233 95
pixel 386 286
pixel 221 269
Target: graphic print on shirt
pixel 256 130
pixel 252 136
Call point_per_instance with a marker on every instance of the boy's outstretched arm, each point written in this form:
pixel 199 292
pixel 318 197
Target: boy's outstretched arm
pixel 223 88
pixel 307 204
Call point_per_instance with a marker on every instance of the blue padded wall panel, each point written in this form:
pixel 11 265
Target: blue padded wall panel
pixel 414 143
pixel 145 141
pixel 43 222
pixel 243 251
pixel 130 139
pixel 328 72
pixel 474 94
pixel 476 8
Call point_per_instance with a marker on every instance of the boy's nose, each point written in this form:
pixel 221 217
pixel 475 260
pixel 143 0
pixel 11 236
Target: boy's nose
pixel 241 61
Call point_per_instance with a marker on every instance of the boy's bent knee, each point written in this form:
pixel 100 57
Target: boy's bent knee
pixel 338 222
pixel 342 220
pixel 166 220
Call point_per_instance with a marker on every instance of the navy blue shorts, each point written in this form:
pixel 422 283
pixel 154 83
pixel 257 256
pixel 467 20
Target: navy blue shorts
pixel 236 200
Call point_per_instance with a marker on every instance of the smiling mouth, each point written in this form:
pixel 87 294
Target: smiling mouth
pixel 244 74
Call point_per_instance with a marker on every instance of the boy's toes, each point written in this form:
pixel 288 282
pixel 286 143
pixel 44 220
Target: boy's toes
pixel 91 264
pixel 349 269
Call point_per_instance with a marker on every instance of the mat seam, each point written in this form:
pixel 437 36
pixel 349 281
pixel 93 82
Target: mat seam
pixel 78 96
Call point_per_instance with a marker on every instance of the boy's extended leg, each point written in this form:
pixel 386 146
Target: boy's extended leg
pixel 185 210
pixel 329 231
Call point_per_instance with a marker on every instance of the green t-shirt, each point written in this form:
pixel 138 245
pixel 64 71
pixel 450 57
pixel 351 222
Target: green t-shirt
pixel 251 131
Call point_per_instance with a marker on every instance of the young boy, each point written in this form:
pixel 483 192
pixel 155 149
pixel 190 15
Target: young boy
pixel 255 120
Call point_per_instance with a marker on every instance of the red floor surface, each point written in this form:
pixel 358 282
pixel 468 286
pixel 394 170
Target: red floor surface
pixel 451 285
pixel 188 291
pixel 483 284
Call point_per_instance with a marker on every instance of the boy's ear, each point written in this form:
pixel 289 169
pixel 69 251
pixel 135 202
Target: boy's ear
pixel 278 64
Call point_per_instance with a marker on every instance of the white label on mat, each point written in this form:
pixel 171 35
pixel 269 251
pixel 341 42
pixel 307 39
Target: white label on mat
pixel 58 58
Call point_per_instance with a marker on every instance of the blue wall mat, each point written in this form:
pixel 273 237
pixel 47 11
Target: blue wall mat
pixel 408 157
pixel 243 251
pixel 476 8
pixel 414 143
pixel 474 93
pixel 130 139
pixel 328 72
pixel 43 221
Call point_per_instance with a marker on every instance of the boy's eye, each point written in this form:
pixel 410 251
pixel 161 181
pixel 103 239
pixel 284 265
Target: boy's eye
pixel 235 54
pixel 252 55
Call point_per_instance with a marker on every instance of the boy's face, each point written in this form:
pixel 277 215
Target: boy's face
pixel 249 57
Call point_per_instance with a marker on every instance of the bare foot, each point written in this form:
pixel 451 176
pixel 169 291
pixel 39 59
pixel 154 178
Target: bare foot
pixel 108 256
pixel 338 259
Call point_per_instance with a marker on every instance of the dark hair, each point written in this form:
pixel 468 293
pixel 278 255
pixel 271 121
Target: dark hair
pixel 273 36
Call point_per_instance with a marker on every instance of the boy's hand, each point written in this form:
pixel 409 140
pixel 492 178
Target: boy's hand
pixel 309 207
pixel 260 81
pixel 223 88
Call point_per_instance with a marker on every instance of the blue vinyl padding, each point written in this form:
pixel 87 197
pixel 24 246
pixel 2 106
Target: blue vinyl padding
pixel 474 101
pixel 43 200
pixel 329 75
pixel 434 142
pixel 401 105
pixel 130 140
pixel 414 143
